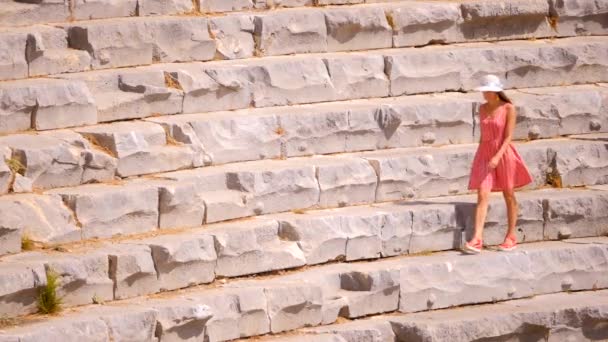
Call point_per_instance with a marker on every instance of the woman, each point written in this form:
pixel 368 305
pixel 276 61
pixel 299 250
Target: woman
pixel 497 165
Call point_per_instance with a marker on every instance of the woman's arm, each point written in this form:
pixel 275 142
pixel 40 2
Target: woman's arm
pixel 510 127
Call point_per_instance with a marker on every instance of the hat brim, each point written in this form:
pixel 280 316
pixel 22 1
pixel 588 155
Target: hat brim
pixel 489 88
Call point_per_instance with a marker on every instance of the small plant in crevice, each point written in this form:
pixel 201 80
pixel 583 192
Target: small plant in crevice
pixel 26 243
pixel 15 165
pixel 49 301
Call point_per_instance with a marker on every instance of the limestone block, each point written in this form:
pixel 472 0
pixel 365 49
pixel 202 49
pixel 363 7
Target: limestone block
pixel 127 323
pixel 140 147
pixel 183 260
pixel 48 219
pixel 352 234
pixel 579 163
pixel 237 312
pixel 421 172
pixel 68 329
pixel 226 205
pixel 517 19
pixel 318 129
pixel 275 185
pixel 99 9
pixel 28 13
pixel 372 330
pixel 131 93
pixel 226 5
pixel 10 240
pixel 411 122
pixel 180 319
pixel 434 227
pixel 291 31
pixel 416 24
pixel 370 292
pixel 13 64
pixel 6 174
pixel 536 158
pixel 314 338
pixel 362 28
pixel 575 213
pixel 253 247
pixel 104 211
pixel 292 81
pixel 45 104
pixel 292 306
pixel 47 53
pixel 163 7
pixel 233 35
pixel 358 76
pixel 19 287
pixel 579 17
pixel 132 270
pixel 212 88
pixel 339 2
pixel 345 181
pixel 181 39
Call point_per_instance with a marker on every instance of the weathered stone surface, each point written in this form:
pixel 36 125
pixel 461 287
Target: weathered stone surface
pixel 291 31
pixel 28 12
pixel 18 287
pixel 13 64
pixel 233 35
pixel 183 260
pixel 142 41
pixel 345 181
pixel 48 219
pixel 128 324
pixel 579 162
pixel 416 24
pixel 365 330
pixel 523 63
pixel 109 210
pixel 47 53
pixel 99 9
pixel 131 93
pixel 10 240
pixel 576 213
pixel 140 147
pixel 253 247
pixel 226 6
pixel 313 338
pixel 6 174
pixel 180 319
pixel 132 270
pixel 362 28
pixel 579 17
pixel 292 305
pixel 45 104
pixel 68 330
pixel 290 81
pixel 164 7
pixel 357 76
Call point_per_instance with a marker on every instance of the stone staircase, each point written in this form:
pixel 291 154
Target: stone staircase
pixel 212 170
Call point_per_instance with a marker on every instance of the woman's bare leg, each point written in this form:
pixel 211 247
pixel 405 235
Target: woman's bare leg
pixel 512 211
pixel 480 213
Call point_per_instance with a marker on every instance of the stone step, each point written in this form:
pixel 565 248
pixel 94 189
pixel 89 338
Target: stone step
pixel 321 295
pixel 183 88
pixel 112 43
pixel 113 270
pixel 576 316
pixel 169 143
pixel 189 198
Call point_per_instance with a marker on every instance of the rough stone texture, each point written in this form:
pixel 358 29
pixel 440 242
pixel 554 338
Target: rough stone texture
pixel 233 36
pixel 345 181
pixel 33 12
pixel 252 248
pixel 68 330
pixel 141 41
pixel 366 330
pixel 132 270
pixel 226 6
pixel 416 24
pixel 13 64
pixel 18 287
pixel 10 240
pixel 580 163
pixel 45 104
pixel 164 7
pixel 104 211
pixel 576 213
pixel 363 28
pixel 130 93
pixel 183 260
pixel 6 173
pixel 579 17
pixel 357 76
pixel 523 63
pixel 140 147
pixel 48 219
pixel 290 81
pixel 99 9
pixel 181 319
pixel 291 31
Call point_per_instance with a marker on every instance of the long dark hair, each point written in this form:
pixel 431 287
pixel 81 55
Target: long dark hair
pixel 503 97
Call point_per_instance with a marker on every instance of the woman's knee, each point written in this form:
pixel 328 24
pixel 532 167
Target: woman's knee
pixel 509 196
pixel 483 197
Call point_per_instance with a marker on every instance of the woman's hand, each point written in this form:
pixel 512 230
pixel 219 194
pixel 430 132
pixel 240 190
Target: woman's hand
pixel 493 163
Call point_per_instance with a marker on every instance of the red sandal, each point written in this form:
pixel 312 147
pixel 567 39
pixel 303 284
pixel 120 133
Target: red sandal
pixel 474 246
pixel 509 244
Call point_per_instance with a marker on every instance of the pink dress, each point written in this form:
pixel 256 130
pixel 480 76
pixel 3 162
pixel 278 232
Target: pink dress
pixel 511 171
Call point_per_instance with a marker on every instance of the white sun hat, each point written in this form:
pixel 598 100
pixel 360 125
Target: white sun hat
pixel 490 83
